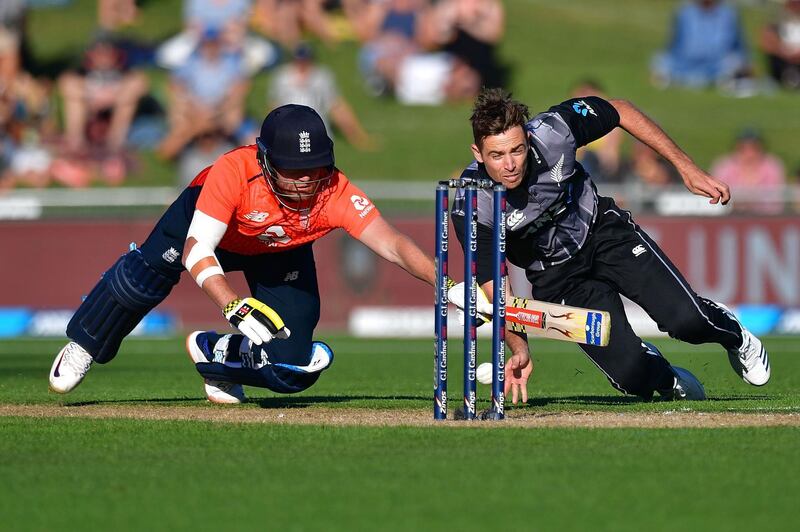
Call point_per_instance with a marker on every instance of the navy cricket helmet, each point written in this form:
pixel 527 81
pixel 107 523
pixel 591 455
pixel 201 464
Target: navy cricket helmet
pixel 294 137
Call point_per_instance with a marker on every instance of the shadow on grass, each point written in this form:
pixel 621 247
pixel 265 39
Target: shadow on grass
pixel 142 400
pixel 612 400
pixel 304 401
pixel 289 401
pixel 411 401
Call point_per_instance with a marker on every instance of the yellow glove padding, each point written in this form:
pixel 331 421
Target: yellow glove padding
pixel 255 320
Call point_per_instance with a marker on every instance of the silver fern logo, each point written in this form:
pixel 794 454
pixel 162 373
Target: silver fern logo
pixel 556 172
pixel 305 142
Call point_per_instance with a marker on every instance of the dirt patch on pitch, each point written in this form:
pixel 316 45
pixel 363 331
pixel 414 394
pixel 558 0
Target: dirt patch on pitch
pixel 526 418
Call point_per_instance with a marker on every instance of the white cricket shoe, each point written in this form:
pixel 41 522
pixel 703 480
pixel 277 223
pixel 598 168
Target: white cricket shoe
pixel 224 393
pixel 69 368
pixel 220 392
pixel 750 360
pixel 687 387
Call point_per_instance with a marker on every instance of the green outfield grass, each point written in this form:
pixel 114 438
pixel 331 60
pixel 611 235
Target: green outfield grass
pixel 122 474
pixel 370 373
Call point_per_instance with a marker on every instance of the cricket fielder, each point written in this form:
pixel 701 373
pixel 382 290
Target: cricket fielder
pixel 578 248
pixel 258 209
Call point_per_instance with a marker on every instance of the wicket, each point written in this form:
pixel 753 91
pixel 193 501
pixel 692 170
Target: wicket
pixel 471 188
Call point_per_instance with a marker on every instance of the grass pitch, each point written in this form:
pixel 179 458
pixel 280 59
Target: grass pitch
pixel 79 473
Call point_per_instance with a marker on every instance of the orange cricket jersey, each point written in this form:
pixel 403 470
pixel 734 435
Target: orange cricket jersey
pixel 236 193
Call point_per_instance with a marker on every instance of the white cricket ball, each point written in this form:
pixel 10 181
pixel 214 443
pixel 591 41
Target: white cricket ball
pixel 484 373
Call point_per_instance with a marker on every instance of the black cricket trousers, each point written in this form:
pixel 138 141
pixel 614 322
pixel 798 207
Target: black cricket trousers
pixel 620 258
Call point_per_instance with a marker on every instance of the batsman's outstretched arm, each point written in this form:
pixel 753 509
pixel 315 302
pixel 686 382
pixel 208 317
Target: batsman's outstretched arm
pixel 644 129
pixel 397 248
pixel 253 318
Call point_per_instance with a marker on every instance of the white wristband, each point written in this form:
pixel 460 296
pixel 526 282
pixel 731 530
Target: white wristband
pixel 206 273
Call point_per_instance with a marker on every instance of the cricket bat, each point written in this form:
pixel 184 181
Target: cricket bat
pixel 559 322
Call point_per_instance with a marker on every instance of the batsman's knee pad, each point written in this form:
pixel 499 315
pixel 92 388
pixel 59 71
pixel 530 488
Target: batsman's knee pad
pixel 288 378
pixel 321 359
pixel 238 367
pixel 124 295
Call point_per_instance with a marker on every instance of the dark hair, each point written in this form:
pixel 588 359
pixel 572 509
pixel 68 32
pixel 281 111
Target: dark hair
pixel 496 111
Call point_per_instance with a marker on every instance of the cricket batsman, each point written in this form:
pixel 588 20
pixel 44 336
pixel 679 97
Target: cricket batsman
pixel 258 209
pixel 579 249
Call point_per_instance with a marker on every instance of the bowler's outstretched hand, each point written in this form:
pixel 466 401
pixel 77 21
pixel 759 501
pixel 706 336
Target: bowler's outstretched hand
pixel 518 370
pixel 702 184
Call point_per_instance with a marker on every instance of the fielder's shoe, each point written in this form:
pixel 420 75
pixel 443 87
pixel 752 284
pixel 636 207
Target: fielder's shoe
pixel 220 392
pixel 750 360
pixel 69 368
pixel 687 387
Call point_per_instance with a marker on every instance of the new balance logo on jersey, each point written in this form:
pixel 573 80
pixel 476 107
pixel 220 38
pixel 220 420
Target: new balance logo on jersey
pixel 256 216
pixel 305 142
pixel 583 108
pixel 361 204
pixel 171 255
pixel 515 218
pixel 638 250
pixel 556 172
pixel 291 276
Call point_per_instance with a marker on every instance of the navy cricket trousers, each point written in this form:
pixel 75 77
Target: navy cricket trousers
pixel 286 281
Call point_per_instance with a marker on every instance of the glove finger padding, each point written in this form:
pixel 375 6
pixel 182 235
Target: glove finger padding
pixel 456 296
pixel 256 320
pixel 480 319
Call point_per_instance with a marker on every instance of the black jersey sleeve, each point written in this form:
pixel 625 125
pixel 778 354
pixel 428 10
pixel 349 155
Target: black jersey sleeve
pixel 588 118
pixel 484 254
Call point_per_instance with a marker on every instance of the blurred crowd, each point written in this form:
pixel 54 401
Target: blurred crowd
pixel 86 124
pixel 89 123
pixel 709 47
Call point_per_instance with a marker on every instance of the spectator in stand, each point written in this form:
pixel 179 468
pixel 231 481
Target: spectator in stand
pixel 707 47
pixel 102 93
pixel 305 82
pixel 603 157
pixel 25 124
pixel 12 13
pixel 470 31
pixel 26 120
pixel 285 20
pixel 390 31
pixel 114 14
pixel 206 94
pixel 756 177
pixel 229 19
pixel 397 56
pixel 202 152
pixel 780 42
pixel 646 176
pixel 100 101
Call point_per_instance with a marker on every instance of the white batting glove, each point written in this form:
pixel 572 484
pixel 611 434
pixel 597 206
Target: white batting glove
pixel 255 320
pixel 455 294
